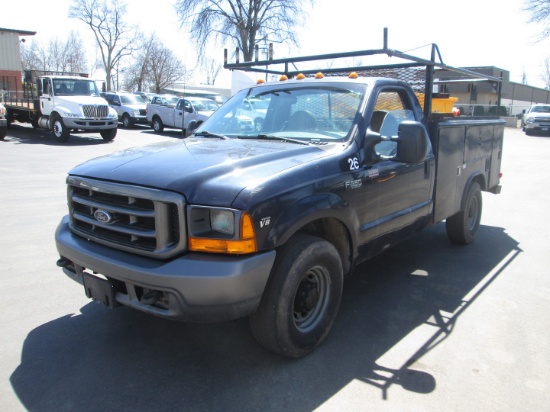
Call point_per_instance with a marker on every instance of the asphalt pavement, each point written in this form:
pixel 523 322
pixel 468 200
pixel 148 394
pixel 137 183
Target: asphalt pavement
pixel 426 326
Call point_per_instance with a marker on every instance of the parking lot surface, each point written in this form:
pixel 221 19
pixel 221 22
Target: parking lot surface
pixel 426 326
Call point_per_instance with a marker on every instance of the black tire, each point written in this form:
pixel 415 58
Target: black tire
pixel 59 130
pixel 108 134
pixel 3 132
pixel 301 299
pixel 158 127
pixel 462 227
pixel 126 121
pixel 190 128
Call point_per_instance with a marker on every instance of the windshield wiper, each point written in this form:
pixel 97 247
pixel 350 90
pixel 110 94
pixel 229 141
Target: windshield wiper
pixel 206 133
pixel 279 138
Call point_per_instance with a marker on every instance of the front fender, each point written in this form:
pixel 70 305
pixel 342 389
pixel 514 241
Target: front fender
pixel 307 210
pixel 65 111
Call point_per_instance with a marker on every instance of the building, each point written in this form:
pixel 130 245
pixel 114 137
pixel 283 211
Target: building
pixel 481 97
pixel 10 59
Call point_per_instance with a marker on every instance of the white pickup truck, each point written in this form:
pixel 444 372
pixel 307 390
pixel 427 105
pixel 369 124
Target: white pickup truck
pixel 178 113
pixel 537 119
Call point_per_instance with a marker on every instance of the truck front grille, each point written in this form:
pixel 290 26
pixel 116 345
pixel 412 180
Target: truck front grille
pixel 131 218
pixel 95 111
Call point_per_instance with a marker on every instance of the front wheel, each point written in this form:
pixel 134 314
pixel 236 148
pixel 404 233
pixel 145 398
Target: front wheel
pixel 158 127
pixel 108 134
pixel 462 227
pixel 59 130
pixel 126 121
pixel 301 299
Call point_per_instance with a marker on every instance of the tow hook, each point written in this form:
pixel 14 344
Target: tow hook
pixel 65 263
pixel 151 297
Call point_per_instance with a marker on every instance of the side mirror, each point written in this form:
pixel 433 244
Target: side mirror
pixel 371 140
pixel 412 142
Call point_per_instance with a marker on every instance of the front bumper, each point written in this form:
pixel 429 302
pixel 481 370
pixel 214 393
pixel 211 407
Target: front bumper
pixel 193 287
pixel 3 123
pixel 543 127
pixel 90 124
pixel 139 120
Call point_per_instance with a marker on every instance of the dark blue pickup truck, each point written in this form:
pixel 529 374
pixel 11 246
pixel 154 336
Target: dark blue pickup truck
pixel 266 221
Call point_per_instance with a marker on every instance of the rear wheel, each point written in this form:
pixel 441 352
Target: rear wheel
pixel 3 132
pixel 59 130
pixel 301 299
pixel 462 227
pixel 108 134
pixel 158 127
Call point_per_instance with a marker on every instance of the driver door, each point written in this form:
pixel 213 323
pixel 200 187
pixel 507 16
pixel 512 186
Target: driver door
pixel 404 190
pixel 47 98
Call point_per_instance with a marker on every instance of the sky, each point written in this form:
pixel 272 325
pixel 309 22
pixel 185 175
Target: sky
pixel 468 33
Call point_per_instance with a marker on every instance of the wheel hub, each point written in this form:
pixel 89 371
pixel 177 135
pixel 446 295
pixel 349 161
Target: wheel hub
pixel 307 297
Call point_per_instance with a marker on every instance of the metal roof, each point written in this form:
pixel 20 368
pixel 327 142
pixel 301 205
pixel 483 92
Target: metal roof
pixel 20 32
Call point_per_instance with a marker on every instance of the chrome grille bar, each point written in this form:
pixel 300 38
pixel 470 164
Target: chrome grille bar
pixel 131 218
pixel 95 111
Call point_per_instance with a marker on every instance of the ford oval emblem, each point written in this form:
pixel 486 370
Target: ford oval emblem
pixel 103 216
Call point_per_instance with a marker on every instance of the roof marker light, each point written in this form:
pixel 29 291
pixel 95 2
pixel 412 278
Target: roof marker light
pixel 283 78
pixel 260 81
pixel 301 76
pixel 353 75
pixel 319 75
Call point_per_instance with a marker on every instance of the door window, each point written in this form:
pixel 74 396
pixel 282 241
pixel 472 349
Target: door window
pixel 392 107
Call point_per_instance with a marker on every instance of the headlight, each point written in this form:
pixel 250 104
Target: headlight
pixel 136 113
pixel 220 230
pixel 530 120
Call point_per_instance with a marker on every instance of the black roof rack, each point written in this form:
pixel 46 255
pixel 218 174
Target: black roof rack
pixel 289 67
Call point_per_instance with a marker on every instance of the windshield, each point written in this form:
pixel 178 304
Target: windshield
pixel 204 105
pixel 540 109
pixel 75 87
pixel 300 111
pixel 132 99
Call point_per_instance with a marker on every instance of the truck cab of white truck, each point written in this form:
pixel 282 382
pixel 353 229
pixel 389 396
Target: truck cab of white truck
pixel 61 102
pixel 71 102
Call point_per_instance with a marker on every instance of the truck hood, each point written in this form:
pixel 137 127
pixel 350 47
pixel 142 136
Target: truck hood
pixel 204 114
pixel 207 171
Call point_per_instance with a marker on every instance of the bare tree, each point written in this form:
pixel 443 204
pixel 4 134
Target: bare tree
pixel 545 72
pixel 539 11
pixel 138 73
pixel 212 69
pixel 66 56
pixel 114 37
pixel 76 54
pixel 30 56
pixel 164 68
pixel 244 23
pixel 63 56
